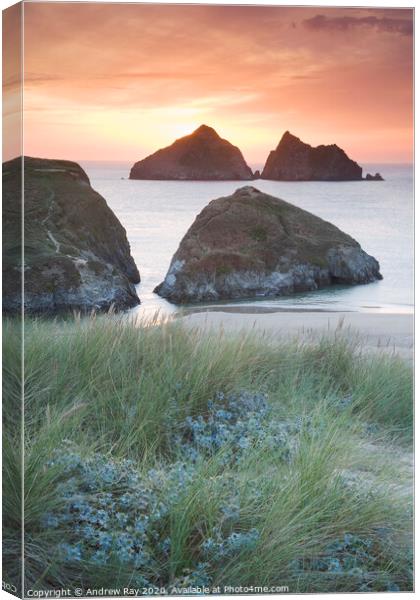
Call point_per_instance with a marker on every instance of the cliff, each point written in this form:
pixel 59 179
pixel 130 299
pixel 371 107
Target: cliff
pixel 76 251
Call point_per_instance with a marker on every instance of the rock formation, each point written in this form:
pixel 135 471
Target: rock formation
pixel 252 245
pixel 203 155
pixel 293 160
pixel 376 177
pixel 76 251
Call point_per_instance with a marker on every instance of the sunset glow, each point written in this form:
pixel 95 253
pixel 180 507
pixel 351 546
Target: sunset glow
pixel 117 82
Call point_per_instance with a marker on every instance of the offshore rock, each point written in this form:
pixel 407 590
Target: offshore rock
pixel 376 177
pixel 293 160
pixel 203 155
pixel 251 244
pixel 76 252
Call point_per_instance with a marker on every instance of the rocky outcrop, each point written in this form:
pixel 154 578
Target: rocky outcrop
pixel 76 251
pixel 376 177
pixel 252 245
pixel 203 155
pixel 293 160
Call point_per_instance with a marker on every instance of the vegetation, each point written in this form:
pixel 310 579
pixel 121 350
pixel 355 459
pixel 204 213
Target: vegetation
pixel 156 455
pixel 259 234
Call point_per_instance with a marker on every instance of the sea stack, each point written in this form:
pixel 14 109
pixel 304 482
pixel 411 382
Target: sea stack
pixel 76 252
pixel 203 155
pixel 251 244
pixel 293 160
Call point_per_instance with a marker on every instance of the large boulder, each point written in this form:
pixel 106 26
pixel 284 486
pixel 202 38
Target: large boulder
pixel 76 253
pixel 252 245
pixel 293 160
pixel 203 155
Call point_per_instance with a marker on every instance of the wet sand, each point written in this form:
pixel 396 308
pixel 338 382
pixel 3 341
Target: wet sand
pixel 377 331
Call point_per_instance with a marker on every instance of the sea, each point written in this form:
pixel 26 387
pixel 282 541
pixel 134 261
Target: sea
pixel 378 214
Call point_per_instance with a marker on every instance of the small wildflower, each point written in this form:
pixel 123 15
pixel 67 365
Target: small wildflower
pixel 71 553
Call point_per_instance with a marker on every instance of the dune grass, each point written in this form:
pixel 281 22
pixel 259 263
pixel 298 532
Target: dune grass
pixel 310 492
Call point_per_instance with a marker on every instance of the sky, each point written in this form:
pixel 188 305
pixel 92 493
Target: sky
pixel 119 81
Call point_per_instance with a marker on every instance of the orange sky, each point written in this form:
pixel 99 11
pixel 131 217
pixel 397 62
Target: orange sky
pixel 116 82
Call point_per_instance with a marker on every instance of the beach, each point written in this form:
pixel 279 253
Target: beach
pixel 392 333
pixel 208 300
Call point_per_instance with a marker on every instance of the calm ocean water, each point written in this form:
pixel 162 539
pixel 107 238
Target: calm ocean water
pixel 379 215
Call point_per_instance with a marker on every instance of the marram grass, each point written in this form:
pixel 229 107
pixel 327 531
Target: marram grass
pixel 160 456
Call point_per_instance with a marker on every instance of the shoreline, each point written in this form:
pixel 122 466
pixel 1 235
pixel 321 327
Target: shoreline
pixel 387 332
pixel 257 310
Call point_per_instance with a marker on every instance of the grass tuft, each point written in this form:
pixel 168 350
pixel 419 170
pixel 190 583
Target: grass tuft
pixel 256 461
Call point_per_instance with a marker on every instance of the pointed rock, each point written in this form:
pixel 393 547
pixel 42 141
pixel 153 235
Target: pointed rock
pixel 252 245
pixel 293 160
pixel 203 155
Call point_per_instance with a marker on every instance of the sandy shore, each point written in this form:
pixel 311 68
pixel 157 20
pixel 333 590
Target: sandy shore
pixel 379 331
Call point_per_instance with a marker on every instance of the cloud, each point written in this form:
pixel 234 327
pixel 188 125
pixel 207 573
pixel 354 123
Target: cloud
pixel 123 79
pixel 347 23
